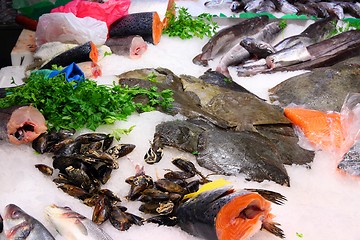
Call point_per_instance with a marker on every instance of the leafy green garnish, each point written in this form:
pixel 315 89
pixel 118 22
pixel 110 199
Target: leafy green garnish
pixel 300 235
pixel 88 105
pixel 185 26
pixel 107 54
pixel 117 133
pixel 151 77
pixel 282 24
pixel 344 25
pixel 195 153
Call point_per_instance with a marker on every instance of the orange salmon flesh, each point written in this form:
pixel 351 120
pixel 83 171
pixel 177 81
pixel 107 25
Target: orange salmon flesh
pixel 242 217
pixel 320 128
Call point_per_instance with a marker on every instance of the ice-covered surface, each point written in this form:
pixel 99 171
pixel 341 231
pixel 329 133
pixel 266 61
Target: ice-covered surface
pixel 322 203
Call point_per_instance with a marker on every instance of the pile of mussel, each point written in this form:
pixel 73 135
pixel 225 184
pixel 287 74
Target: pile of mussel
pixel 161 198
pixel 84 164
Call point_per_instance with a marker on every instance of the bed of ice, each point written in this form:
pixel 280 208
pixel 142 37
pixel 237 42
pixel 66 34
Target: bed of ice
pixel 322 203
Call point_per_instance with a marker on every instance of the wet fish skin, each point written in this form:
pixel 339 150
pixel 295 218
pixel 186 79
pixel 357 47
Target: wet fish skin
pixel 227 37
pixel 72 225
pixel 202 215
pixel 350 162
pixel 266 6
pixel 288 56
pixel 252 6
pixel 284 6
pixel 238 53
pixel 258 48
pixel 20 226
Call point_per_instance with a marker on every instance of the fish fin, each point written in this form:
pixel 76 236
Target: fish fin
pixel 271 196
pixel 273 228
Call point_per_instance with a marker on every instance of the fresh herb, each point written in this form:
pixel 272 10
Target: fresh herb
pixel 282 24
pixel 151 77
pixel 300 235
pixel 107 54
pixel 341 26
pixel 186 26
pixel 227 80
pixel 88 105
pixel 117 133
pixel 195 153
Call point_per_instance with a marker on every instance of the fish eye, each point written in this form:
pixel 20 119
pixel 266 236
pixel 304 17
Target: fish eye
pixel 15 214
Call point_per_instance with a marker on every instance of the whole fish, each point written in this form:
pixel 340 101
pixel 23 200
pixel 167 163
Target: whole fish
pixel 21 124
pixel 74 226
pixel 130 46
pixel 256 47
pixel 266 6
pixel 288 56
pixel 216 3
pixel 252 6
pixel 351 8
pixel 284 6
pixel 18 225
pixel 238 53
pixel 227 37
pixel 227 214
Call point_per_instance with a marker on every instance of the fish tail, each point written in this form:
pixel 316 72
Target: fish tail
pixel 273 228
pixel 271 196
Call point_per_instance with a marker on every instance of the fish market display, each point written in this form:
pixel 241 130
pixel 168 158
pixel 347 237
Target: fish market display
pixel 19 225
pixel 322 89
pixel 225 213
pixel 72 225
pixel 131 46
pixel 320 9
pixel 21 124
pixel 226 38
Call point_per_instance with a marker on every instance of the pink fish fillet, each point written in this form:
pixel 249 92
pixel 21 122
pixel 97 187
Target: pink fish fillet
pixel 21 124
pixel 130 46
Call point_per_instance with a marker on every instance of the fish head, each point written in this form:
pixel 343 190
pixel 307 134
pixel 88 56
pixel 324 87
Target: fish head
pixel 270 61
pixel 16 222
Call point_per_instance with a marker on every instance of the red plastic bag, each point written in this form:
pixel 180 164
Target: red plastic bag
pixel 108 12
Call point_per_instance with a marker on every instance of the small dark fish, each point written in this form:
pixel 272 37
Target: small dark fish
pixel 256 47
pixel 82 53
pixel 224 213
pixel 226 38
pixel 19 225
pixel 129 46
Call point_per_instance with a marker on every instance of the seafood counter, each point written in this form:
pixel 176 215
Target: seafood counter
pixel 248 131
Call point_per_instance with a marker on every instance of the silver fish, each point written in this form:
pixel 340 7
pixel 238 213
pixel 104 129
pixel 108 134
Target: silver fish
pixel 72 225
pixel 252 6
pixel 288 56
pixel 266 6
pixel 227 37
pixel 216 3
pixel 18 225
pixel 284 6
pixel 238 53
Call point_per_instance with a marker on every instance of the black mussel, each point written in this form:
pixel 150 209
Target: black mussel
pixel 193 186
pixel 1 224
pixel 104 173
pixel 74 191
pixel 178 175
pixel 155 152
pixel 45 169
pixel 81 179
pixel 67 148
pixel 61 179
pixel 165 207
pixel 62 162
pixel 100 157
pixel 169 186
pixel 155 194
pixel 165 220
pixel 120 150
pixel 102 209
pixel 140 180
pixel 175 197
pixel 55 148
pixel 111 195
pixel 135 191
pixel 120 219
pixel 149 207
pixel 91 137
pixel 107 143
pixel 92 200
pixel 135 219
pixel 188 166
pixel 85 148
pixel 41 143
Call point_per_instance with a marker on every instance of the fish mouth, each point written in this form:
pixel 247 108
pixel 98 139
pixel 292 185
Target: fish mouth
pixel 20 133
